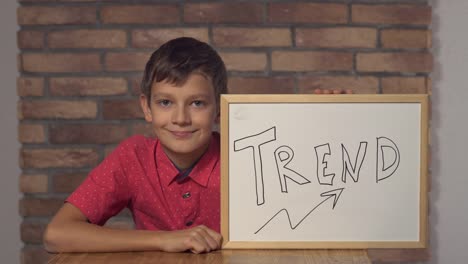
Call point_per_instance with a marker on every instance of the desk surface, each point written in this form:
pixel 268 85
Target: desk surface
pixel 222 256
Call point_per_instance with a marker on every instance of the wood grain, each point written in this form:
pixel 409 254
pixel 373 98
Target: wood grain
pixel 221 256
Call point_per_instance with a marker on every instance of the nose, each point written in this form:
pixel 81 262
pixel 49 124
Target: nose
pixel 181 116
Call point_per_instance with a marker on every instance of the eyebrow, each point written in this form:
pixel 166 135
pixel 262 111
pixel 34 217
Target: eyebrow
pixel 163 95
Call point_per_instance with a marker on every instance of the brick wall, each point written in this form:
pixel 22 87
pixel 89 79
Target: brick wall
pixel 81 61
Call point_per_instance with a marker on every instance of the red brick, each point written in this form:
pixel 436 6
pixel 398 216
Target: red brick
pixel 35 255
pixel 108 149
pixel 39 206
pixel 311 61
pixel 135 82
pixel 87 86
pixel 30 86
pixel 85 38
pixel 19 63
pixel 251 37
pixel 227 12
pixel 140 14
pixel 32 232
pixel 122 109
pixel 261 85
pixel 398 255
pixel 358 84
pixel 36 183
pixel 58 158
pixel 153 38
pixel 57 109
pixel 244 61
pixel 405 39
pixel 60 62
pixel 30 39
pixel 394 62
pixel 57 15
pixel 87 133
pixel 31 133
pixel 308 13
pixel 340 37
pixel 68 182
pixel 143 129
pixel 126 61
pixel 404 85
pixel 392 14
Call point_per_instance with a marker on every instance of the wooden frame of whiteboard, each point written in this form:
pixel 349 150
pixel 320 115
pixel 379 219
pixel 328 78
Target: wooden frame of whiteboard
pixel 422 99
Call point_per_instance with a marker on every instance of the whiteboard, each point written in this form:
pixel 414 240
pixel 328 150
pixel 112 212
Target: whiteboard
pixel 318 171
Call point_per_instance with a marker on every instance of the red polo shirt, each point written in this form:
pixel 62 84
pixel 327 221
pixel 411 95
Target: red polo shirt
pixel 140 176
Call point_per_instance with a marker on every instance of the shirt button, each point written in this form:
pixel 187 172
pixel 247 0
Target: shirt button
pixel 186 195
pixel 189 223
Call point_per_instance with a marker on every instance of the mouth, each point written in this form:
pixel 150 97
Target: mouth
pixel 181 134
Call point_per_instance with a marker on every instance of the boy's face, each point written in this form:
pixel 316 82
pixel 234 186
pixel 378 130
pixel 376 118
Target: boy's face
pixel 183 117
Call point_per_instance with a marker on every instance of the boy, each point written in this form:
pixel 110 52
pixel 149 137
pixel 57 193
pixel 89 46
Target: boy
pixel 171 183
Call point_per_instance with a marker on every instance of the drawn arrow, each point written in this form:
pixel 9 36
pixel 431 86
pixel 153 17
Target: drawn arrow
pixel 336 193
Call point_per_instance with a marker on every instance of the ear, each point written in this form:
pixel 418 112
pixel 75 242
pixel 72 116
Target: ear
pixel 217 118
pixel 145 108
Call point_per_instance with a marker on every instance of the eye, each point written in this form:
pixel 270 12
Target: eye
pixel 198 103
pixel 164 102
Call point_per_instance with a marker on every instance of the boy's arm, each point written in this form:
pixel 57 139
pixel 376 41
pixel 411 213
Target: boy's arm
pixel 69 231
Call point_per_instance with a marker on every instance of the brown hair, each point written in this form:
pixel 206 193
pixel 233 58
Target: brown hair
pixel 175 60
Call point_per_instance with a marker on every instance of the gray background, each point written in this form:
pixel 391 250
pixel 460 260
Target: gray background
pixel 449 205
pixel 9 193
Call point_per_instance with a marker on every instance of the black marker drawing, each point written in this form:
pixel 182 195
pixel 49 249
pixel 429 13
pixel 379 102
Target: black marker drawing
pixel 336 193
pixel 284 154
pixel 347 162
pixel 383 171
pixel 323 178
pixel 283 171
pixel 254 142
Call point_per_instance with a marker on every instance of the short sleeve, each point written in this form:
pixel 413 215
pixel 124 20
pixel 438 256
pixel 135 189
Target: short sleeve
pixel 104 193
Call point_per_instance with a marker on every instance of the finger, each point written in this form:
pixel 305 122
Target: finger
pixel 197 245
pixel 349 91
pixel 215 236
pixel 211 242
pixel 326 91
pixel 337 91
pixel 209 237
pixel 318 91
pixel 205 239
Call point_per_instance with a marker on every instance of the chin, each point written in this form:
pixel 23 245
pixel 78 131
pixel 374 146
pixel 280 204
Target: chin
pixel 187 148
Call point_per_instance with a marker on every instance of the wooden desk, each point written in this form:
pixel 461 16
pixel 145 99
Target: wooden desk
pixel 223 256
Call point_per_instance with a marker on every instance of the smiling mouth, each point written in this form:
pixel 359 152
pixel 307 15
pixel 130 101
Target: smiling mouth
pixel 182 134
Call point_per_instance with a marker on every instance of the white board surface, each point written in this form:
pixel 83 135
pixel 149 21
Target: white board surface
pixel 324 171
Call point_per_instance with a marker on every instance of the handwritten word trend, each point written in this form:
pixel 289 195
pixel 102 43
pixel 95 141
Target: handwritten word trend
pixel 284 155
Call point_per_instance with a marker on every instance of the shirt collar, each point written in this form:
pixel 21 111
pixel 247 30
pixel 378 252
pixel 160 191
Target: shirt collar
pixel 201 171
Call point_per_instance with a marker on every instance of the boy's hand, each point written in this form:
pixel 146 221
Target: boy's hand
pixel 334 91
pixel 199 239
